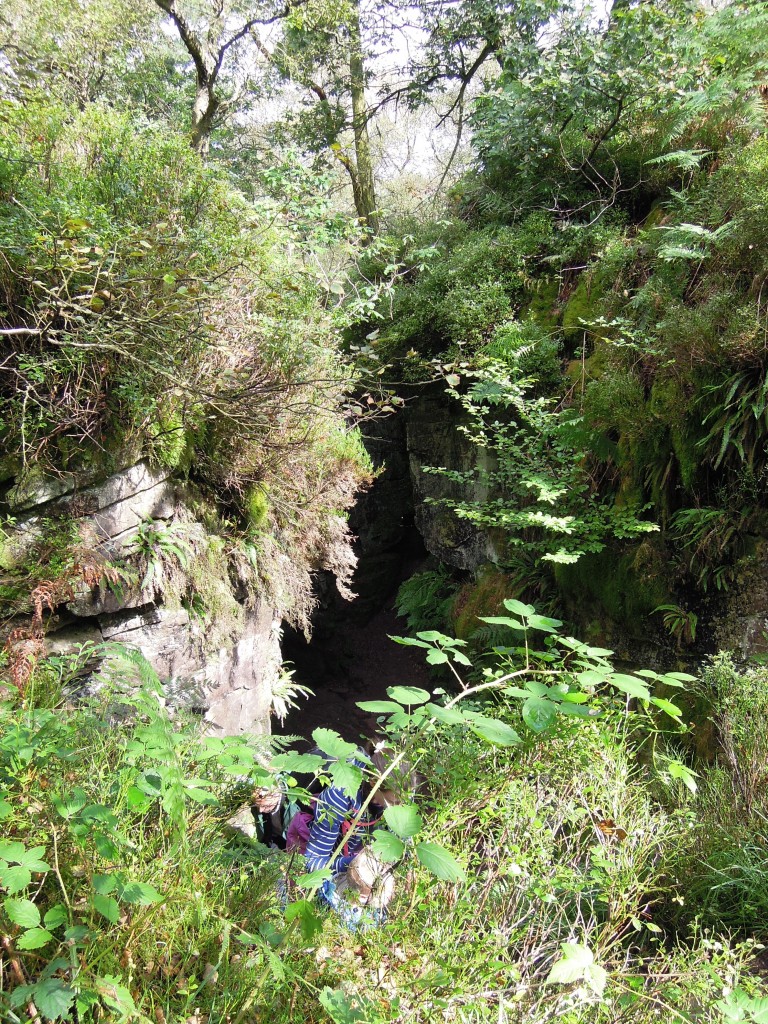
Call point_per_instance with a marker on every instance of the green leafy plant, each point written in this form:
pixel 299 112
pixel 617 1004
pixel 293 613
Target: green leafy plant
pixel 538 493
pixel 157 544
pixel 678 622
pixel 424 599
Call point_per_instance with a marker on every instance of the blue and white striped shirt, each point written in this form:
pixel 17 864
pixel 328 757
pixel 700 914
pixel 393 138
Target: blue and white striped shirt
pixel 333 807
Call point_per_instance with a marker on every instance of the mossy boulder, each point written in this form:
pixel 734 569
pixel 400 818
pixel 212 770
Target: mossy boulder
pixel 618 585
pixel 581 309
pixel 591 368
pixel 482 596
pixel 34 488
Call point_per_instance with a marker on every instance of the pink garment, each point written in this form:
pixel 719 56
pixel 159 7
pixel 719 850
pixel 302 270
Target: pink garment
pixel 297 836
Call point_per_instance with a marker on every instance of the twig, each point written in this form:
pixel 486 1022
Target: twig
pixel 18 973
pixel 57 872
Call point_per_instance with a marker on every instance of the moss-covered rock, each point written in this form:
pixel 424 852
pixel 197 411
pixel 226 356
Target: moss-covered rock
pixel 617 585
pixel 482 596
pixel 580 309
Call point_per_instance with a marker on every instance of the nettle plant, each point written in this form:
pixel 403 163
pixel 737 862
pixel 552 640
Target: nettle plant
pixel 533 684
pixel 543 674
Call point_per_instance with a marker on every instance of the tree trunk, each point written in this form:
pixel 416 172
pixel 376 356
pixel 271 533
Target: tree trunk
pixel 203 113
pixel 365 192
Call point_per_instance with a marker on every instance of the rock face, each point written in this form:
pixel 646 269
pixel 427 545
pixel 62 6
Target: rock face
pixel 740 618
pixel 382 517
pixel 231 686
pixel 433 439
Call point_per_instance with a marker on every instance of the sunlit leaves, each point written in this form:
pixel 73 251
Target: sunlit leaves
pixel 440 862
pixel 332 744
pixel 404 820
pixel 22 912
pixel 492 730
pixel 52 997
pixel 310 922
pixel 577 963
pixel 408 695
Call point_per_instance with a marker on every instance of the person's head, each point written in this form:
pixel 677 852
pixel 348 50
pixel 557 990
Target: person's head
pixel 265 800
pixel 401 783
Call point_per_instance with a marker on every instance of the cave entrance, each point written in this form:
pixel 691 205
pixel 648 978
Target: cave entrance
pixel 350 657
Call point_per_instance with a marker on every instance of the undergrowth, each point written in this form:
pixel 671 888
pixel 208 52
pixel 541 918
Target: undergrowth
pixel 566 865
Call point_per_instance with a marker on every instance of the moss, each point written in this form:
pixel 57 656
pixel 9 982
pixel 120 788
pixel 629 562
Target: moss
pixel 543 307
pixel 482 596
pixel 7 557
pixel 669 403
pixel 257 509
pixel 171 442
pixel 581 306
pixel 9 468
pixel 619 584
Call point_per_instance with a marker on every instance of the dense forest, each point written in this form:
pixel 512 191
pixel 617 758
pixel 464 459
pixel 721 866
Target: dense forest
pixel 283 285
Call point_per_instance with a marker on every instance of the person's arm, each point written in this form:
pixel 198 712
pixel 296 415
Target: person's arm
pixel 331 809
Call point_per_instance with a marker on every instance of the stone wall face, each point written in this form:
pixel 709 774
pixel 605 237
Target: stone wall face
pixel 232 686
pixel 433 439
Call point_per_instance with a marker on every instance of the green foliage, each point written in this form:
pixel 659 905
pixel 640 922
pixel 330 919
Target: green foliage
pixel 679 622
pixel 530 347
pixel 157 544
pixel 737 418
pixel 573 124
pixel 538 492
pixel 156 319
pixel 739 701
pixel 424 599
pixel 458 301
pixel 106 831
pixel 729 883
pixel 171 443
pixel 539 819
pixel 578 313
pixel 712 540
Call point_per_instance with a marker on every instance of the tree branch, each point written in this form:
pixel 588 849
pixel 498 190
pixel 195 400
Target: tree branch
pixel 191 40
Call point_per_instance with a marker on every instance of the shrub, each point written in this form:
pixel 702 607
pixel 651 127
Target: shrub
pixel 161 314
pixel 739 702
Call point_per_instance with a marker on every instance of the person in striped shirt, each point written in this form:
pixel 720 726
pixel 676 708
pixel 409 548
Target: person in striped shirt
pixel 335 810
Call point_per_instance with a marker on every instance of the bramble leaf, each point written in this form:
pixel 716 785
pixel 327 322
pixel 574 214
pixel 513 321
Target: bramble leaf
pixel 332 744
pixel 439 862
pixel 408 694
pixel 387 846
pixel 34 938
pixel 404 820
pixel 24 913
